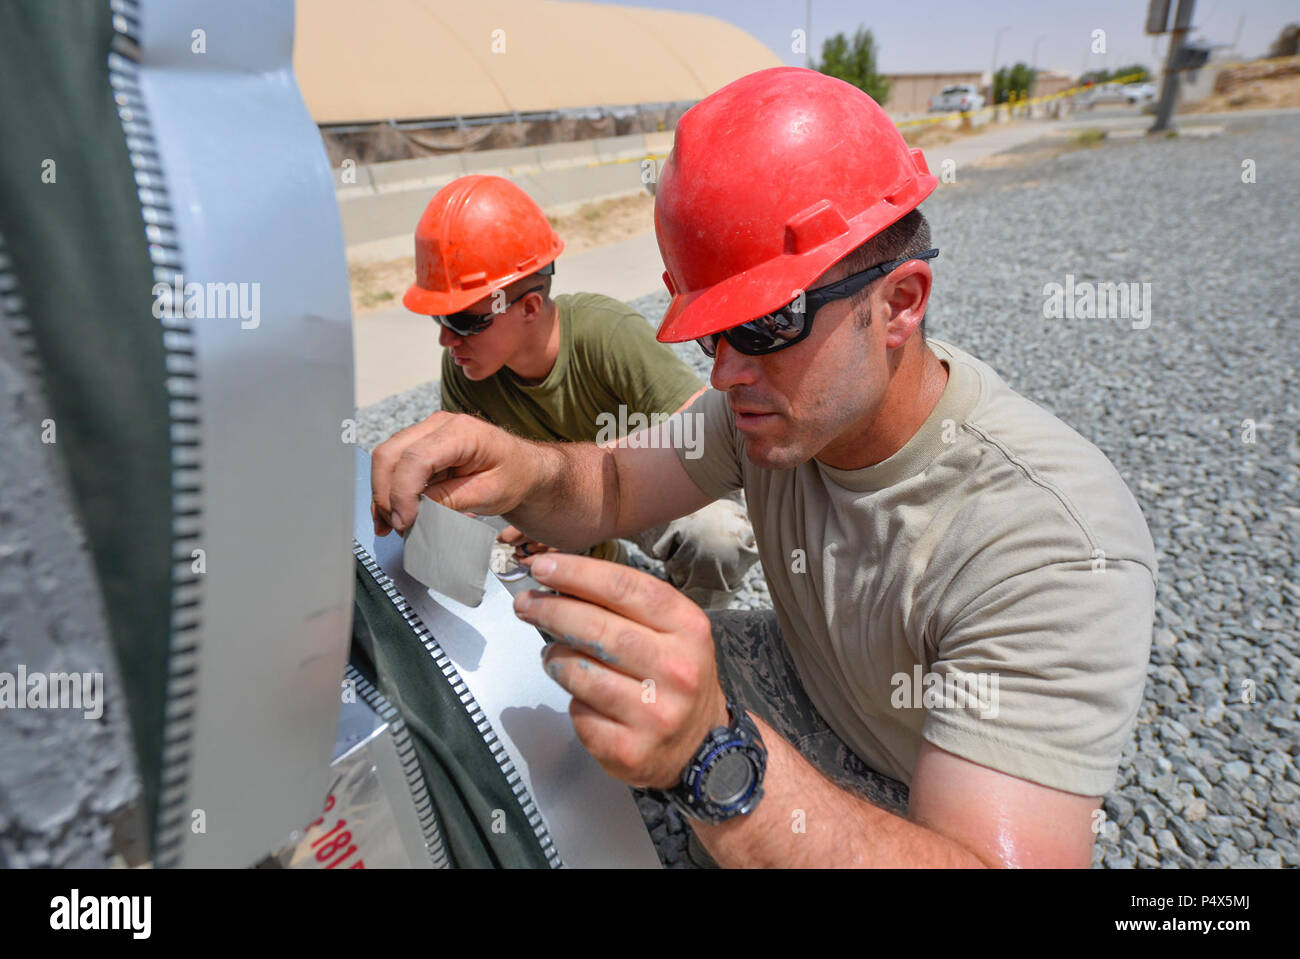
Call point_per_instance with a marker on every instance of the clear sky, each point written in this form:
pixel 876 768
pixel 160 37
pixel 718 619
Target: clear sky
pixel 938 35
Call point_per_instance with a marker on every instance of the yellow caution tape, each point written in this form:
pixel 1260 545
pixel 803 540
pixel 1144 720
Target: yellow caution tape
pixel 1013 103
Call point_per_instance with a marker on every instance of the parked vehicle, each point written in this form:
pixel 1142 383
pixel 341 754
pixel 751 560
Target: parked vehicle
pixel 962 96
pixel 1105 93
pixel 1134 94
pixel 1140 93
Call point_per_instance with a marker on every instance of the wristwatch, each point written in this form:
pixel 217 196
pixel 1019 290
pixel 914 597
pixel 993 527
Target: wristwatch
pixel 724 778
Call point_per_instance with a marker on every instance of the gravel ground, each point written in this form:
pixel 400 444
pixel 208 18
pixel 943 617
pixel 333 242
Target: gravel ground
pixel 1198 411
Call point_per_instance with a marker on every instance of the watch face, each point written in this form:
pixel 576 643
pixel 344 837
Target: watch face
pixel 728 779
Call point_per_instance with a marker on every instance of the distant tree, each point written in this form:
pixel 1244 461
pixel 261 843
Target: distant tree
pixel 855 62
pixel 1010 80
pixel 1287 43
pixel 1136 73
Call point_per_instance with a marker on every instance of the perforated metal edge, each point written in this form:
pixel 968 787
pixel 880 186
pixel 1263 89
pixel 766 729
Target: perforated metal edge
pixel 14 309
pixel 424 810
pixel 466 697
pixel 183 412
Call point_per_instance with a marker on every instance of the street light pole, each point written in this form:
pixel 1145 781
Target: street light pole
pixel 993 72
pixel 1033 68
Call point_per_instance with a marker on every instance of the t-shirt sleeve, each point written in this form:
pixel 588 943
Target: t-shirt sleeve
pixel 643 373
pixel 1042 674
pixel 704 438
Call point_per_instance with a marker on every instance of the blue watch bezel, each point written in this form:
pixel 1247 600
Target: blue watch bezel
pixel 741 735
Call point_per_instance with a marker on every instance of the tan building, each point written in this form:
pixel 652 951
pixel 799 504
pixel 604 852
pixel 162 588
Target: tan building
pixel 368 61
pixel 1053 81
pixel 911 92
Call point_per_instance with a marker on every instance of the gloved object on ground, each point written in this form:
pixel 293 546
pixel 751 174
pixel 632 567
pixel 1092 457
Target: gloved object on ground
pixel 705 554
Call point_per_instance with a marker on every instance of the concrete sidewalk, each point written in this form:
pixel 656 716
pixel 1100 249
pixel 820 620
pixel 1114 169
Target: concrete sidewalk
pixel 396 350
pixel 393 351
pixel 1002 137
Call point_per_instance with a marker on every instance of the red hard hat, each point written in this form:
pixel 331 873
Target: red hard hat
pixel 477 235
pixel 771 180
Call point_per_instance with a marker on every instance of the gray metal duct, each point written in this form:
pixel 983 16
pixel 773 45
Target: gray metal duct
pixel 244 203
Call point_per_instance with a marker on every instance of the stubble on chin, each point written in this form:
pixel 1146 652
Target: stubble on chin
pixel 776 456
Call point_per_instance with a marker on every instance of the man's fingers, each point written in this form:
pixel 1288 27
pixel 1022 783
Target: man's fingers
pixel 609 741
pixel 386 455
pixel 511 536
pixel 608 692
pixel 526 550
pixel 606 637
pixel 463 464
pixel 428 462
pixel 381 524
pixel 631 593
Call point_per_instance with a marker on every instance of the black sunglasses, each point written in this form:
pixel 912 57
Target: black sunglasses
pixel 471 324
pixel 793 322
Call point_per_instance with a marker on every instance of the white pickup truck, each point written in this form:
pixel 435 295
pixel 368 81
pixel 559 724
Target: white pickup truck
pixel 962 96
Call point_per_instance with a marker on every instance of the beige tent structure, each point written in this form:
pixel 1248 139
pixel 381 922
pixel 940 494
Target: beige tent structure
pixel 374 61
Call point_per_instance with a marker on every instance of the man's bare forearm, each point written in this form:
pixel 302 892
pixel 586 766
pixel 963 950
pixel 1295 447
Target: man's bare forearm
pixel 805 820
pixel 574 499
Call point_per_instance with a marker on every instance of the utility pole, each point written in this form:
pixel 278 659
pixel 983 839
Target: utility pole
pixel 1173 63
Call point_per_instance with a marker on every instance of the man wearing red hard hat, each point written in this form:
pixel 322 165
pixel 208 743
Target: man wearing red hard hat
pixel 963 587
pixel 575 368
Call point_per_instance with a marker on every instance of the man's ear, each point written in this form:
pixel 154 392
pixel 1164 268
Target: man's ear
pixel 533 304
pixel 904 295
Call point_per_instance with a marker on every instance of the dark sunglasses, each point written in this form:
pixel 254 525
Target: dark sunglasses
pixel 471 324
pixel 791 323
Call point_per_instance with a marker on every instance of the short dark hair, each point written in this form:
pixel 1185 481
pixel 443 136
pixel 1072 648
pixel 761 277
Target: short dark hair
pixel 905 238
pixel 541 278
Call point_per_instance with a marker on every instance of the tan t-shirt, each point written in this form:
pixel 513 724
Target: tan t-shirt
pixel 989 588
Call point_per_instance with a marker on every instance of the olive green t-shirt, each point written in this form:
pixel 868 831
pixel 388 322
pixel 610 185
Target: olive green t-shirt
pixel 608 358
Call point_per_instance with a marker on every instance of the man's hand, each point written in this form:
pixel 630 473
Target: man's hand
pixel 456 460
pixel 524 546
pixel 638 658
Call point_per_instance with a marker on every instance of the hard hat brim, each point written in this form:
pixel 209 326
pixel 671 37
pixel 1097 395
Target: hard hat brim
pixel 419 299
pixel 771 285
